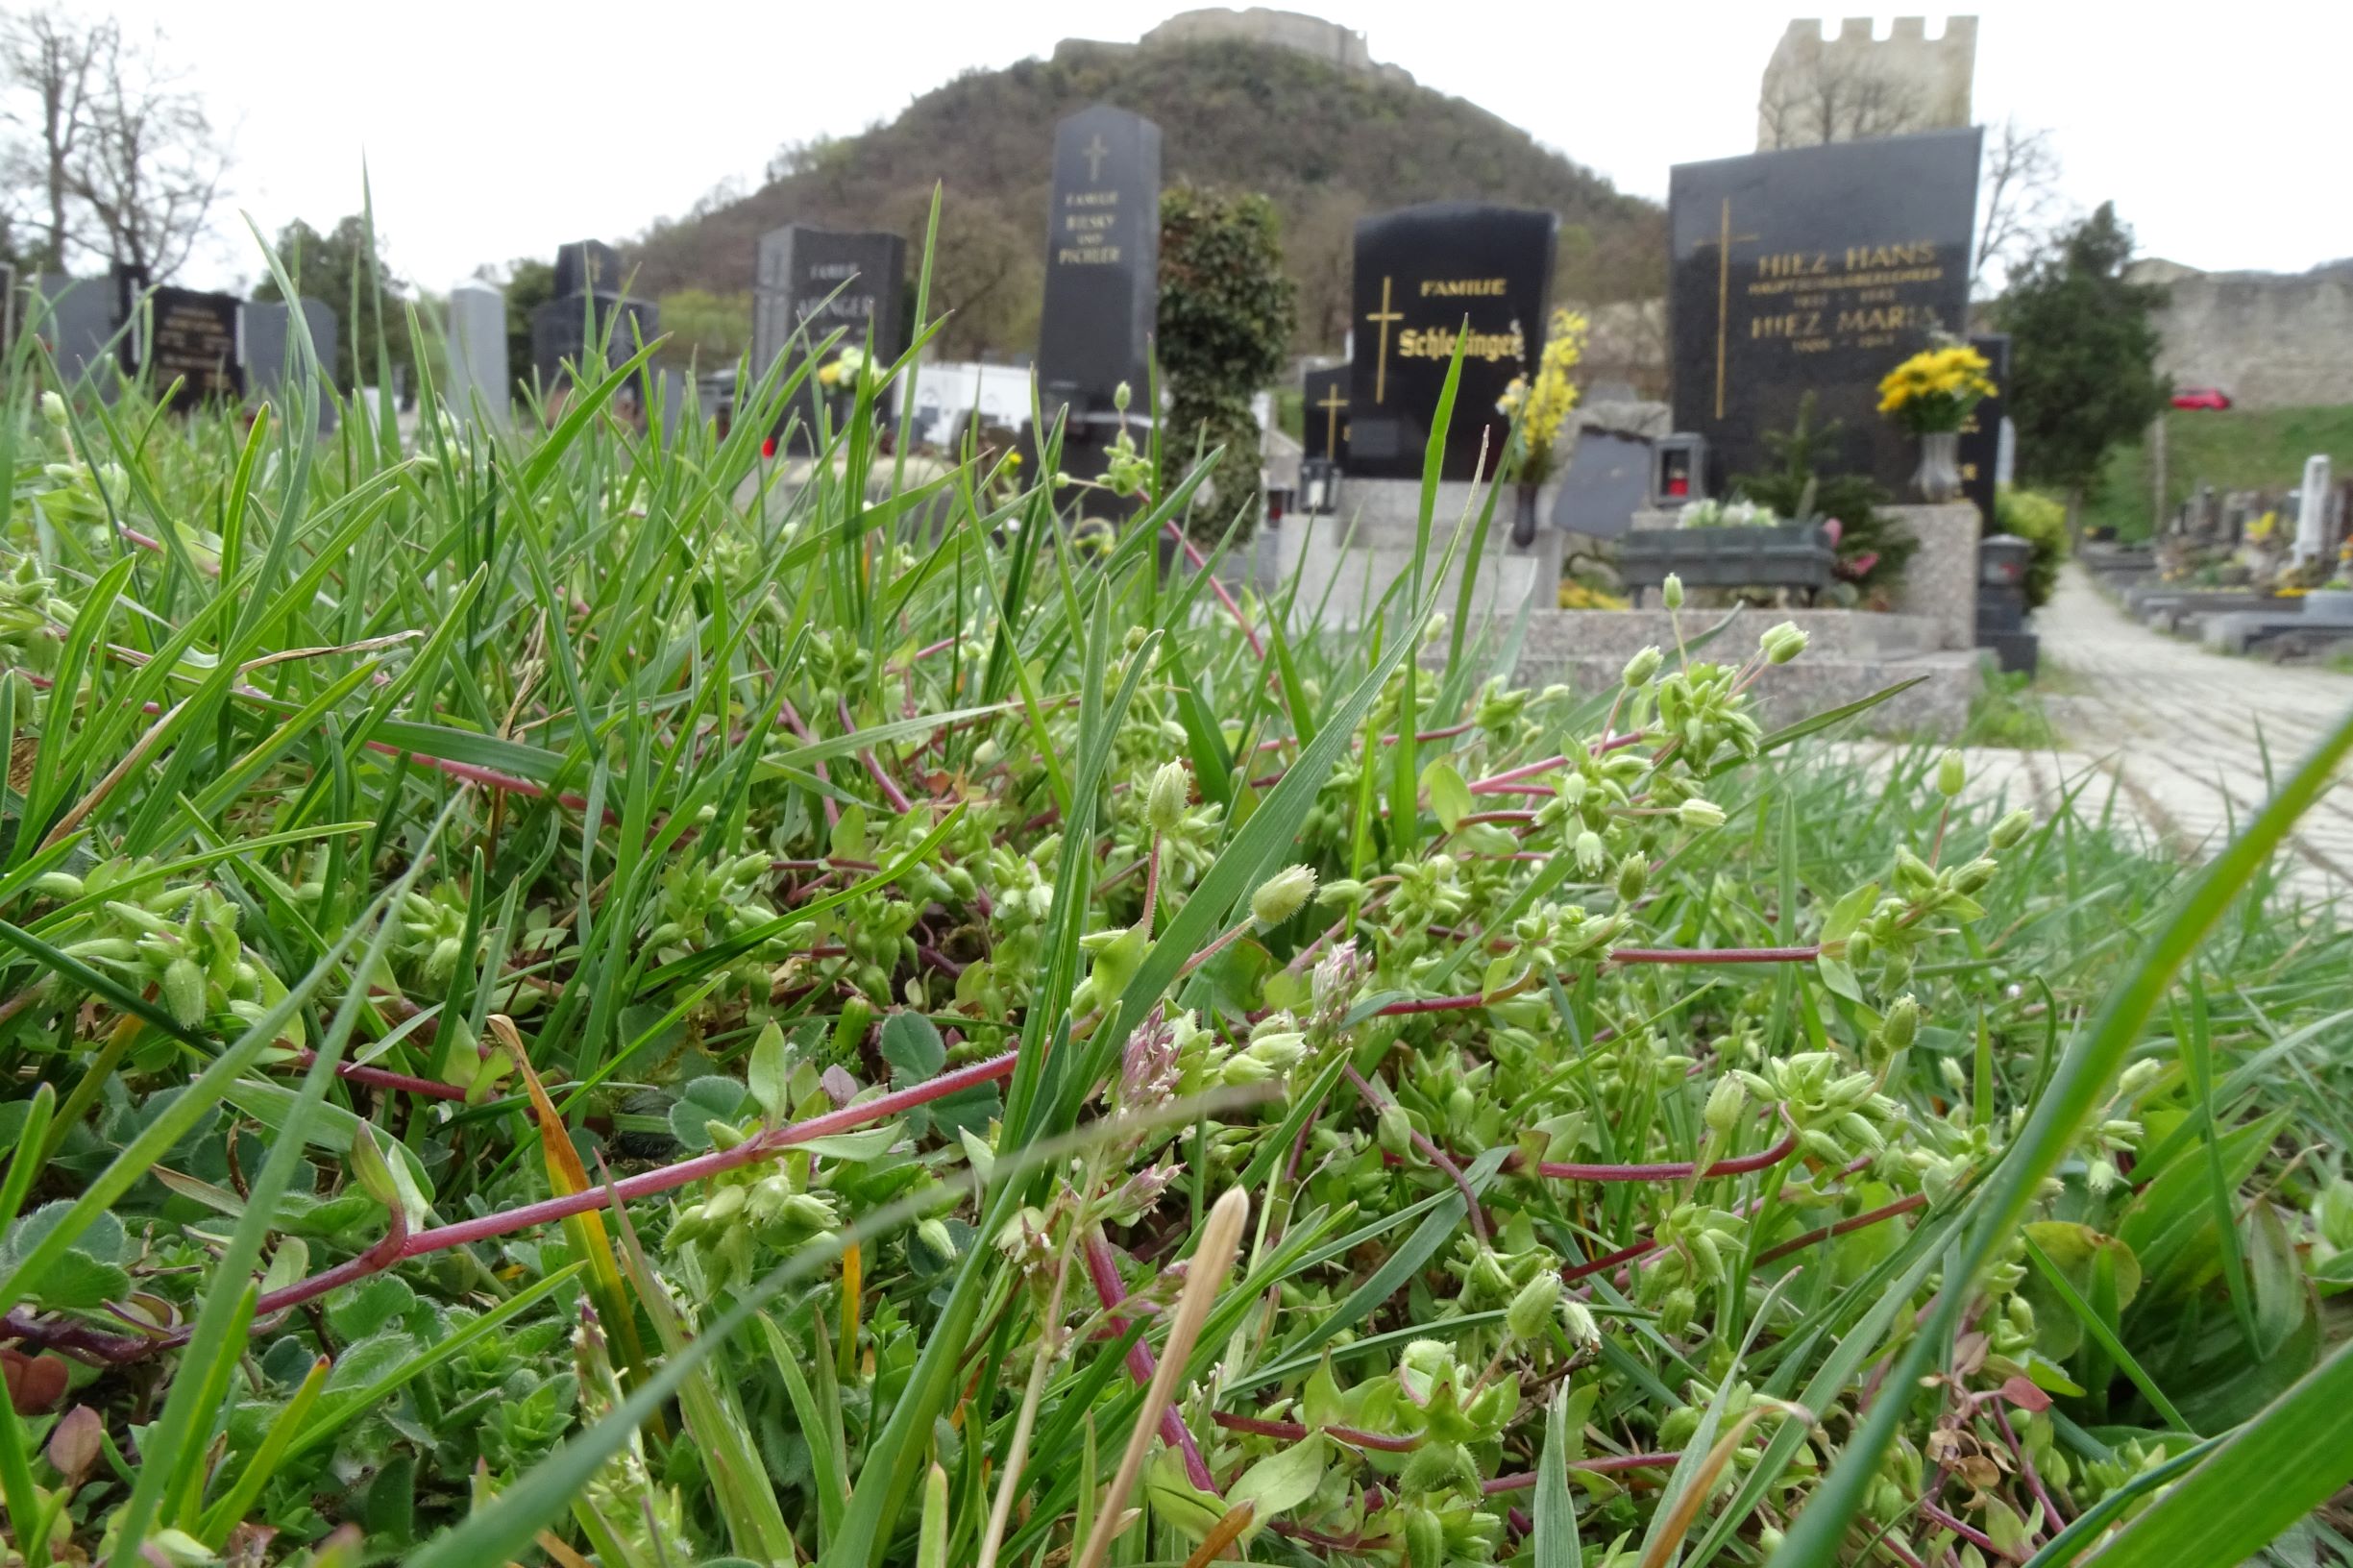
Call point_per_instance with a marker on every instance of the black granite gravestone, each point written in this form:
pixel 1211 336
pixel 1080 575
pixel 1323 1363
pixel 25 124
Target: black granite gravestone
pixel 265 331
pixel 587 266
pixel 850 282
pixel 1816 269
pixel 562 329
pixel 1324 434
pixel 1421 275
pixel 1102 262
pixel 1981 436
pixel 194 340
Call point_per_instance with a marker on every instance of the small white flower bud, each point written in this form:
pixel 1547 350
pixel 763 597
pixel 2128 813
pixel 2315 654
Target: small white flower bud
pixel 1671 591
pixel 1164 806
pixel 1702 814
pixel 1643 666
pixel 1279 897
pixel 1951 773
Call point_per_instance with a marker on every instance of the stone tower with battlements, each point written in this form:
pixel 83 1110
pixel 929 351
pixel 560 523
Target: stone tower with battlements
pixel 1855 85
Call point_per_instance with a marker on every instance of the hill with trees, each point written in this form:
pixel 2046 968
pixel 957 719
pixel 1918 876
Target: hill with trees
pixel 1327 145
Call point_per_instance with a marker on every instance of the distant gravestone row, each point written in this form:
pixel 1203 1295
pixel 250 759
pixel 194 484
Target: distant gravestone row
pixel 214 348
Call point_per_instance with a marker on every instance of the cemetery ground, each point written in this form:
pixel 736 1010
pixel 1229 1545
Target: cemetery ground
pixel 2230 449
pixel 549 1018
pixel 2182 745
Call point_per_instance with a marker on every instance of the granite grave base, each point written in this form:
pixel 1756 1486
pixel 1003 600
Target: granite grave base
pixel 1348 560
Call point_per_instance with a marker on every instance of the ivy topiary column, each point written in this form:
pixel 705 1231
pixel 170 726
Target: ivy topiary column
pixel 1226 313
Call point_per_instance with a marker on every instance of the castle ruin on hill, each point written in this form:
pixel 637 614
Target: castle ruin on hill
pixel 1855 85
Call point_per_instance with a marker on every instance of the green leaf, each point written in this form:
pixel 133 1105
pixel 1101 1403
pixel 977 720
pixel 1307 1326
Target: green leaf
pixel 1281 1482
pixel 2071 1249
pixel 2281 1465
pixel 912 1045
pixel 1450 797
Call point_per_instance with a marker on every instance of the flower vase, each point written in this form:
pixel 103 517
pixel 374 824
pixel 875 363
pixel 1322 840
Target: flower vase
pixel 1524 516
pixel 1939 475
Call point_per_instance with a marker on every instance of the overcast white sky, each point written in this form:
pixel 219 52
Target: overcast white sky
pixel 494 129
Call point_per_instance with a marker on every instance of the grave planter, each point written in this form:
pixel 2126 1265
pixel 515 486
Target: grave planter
pixel 1787 555
pixel 2330 607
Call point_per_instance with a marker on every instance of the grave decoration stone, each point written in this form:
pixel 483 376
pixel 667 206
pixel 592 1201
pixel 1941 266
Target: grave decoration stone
pixel 1604 485
pixel 265 330
pixel 195 342
pixel 75 319
pixel 1815 269
pixel 1324 434
pixel 1424 275
pixel 478 383
pixel 1981 436
pixel 1102 279
pixel 812 283
pixel 2312 540
pixel 829 279
pixel 587 266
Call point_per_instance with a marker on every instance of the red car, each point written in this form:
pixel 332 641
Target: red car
pixel 2201 397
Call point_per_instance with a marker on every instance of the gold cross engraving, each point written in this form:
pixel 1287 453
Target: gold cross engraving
pixel 1380 362
pixel 1331 405
pixel 1724 242
pixel 1094 152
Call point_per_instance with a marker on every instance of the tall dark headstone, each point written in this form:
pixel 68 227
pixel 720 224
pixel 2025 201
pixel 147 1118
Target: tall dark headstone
pixel 828 281
pixel 1102 265
pixel 265 333
pixel 1424 277
pixel 587 266
pixel 74 318
pixel 1981 436
pixel 1817 269
pixel 588 309
pixel 1324 432
pixel 194 341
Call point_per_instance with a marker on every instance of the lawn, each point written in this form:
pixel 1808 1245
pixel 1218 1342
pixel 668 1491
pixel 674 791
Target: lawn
pixel 2230 449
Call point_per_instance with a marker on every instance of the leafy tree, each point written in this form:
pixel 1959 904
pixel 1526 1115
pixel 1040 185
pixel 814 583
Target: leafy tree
pixel 1226 313
pixel 344 269
pixel 988 277
pixel 530 284
pixel 2083 358
pixel 713 330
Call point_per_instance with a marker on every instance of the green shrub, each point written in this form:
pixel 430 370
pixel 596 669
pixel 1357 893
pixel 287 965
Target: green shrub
pixel 2041 520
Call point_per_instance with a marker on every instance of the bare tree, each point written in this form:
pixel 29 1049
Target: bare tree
pixel 153 165
pixel 1833 99
pixel 48 62
pixel 2018 199
pixel 116 149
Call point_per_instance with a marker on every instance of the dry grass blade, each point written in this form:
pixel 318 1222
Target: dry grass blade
pixel 1204 1279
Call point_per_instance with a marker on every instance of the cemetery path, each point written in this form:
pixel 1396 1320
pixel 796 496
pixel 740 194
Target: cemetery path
pixel 2183 733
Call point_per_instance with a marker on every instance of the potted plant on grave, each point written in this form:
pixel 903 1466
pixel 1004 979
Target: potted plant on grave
pixel 1539 408
pixel 1931 395
pixel 1872 548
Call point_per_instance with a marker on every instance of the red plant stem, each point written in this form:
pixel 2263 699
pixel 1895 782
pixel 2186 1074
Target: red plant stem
pixel 1496 816
pixel 1670 1170
pixel 883 781
pixel 2053 1518
pixel 792 718
pixel 1975 1537
pixel 1525 770
pixel 399 1244
pixel 1430 1152
pixel 1194 558
pixel 384 1078
pixel 1715 955
pixel 1293 1431
pixel 940 647
pixel 1901 1206
pixel 1103 1269
pixel 1602 1464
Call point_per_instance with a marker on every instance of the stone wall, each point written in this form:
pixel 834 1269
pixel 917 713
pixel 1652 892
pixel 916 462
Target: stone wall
pixel 2270 339
pixel 1854 85
pixel 1328 41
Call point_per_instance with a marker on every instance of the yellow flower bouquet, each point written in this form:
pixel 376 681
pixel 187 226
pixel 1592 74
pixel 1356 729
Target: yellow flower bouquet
pixel 1540 407
pixel 1933 391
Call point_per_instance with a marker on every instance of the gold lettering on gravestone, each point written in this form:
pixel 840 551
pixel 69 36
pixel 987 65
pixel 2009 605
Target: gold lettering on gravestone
pixel 1090 231
pixel 1387 314
pixel 1489 287
pixel 1724 242
pixel 1846 297
pixel 1331 404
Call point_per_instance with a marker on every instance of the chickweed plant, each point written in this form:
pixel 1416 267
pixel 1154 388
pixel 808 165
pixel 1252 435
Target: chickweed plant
pixel 560 1003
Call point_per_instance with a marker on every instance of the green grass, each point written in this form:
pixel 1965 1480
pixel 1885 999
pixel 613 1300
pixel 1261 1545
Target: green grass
pixel 595 1022
pixel 2230 449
